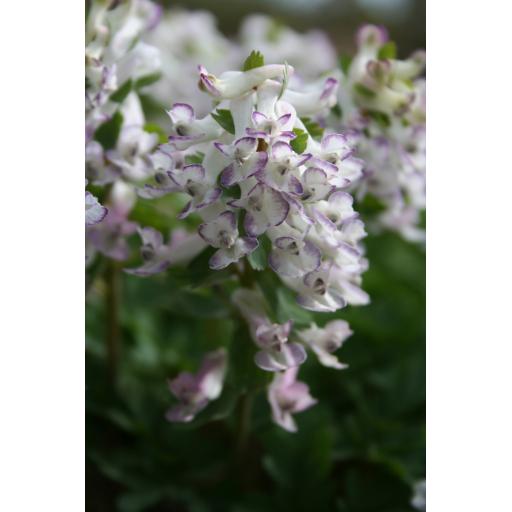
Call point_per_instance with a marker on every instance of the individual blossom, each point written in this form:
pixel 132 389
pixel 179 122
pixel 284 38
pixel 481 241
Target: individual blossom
pixel 196 391
pixel 323 341
pixel 222 233
pixel 276 352
pixel 288 396
pixel 94 211
pixel 194 181
pixel 382 102
pixel 246 160
pixel 233 84
pixel 155 254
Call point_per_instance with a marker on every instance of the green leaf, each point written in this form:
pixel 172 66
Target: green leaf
pixel 314 129
pixel 154 128
pixel 258 258
pixel 336 110
pixel 288 309
pixel 108 132
pixel 225 119
pixel 121 93
pixel 345 62
pixel 196 158
pixel 380 118
pixel 144 81
pixel 300 142
pixel 255 60
pixel 364 91
pixel 387 51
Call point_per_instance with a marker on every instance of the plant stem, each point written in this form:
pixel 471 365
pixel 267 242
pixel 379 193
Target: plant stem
pixel 113 333
pixel 244 424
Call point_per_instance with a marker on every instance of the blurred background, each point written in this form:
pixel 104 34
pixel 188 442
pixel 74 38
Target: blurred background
pixel 405 19
pixel 360 449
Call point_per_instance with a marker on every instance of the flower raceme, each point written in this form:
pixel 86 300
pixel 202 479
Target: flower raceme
pixel 261 182
pixel 263 176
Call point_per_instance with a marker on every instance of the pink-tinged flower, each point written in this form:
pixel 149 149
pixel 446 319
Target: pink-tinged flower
pixel 283 170
pixel 192 180
pixel 326 340
pixel 109 236
pixel 195 392
pixel 164 161
pixel 233 84
pixel 277 353
pixel 222 233
pixel 265 208
pixel 188 129
pixel 288 396
pixel 333 150
pixel 315 98
pixel 371 36
pixel 316 185
pixel 154 252
pixel 319 292
pixel 246 160
pixel 94 211
pixel 271 128
pixel 294 257
pixel 131 154
pixel 338 208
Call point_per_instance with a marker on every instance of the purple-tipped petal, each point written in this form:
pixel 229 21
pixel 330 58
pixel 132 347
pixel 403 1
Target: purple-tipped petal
pixel 334 142
pixel 181 113
pixel 94 211
pixel 258 118
pixel 227 176
pixel 281 150
pixel 330 87
pixel 284 119
pixel 245 146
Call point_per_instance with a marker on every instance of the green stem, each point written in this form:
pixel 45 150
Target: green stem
pixel 244 424
pixel 113 333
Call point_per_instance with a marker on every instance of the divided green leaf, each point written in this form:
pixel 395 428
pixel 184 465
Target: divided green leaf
pixel 258 258
pixel 345 62
pixel 225 120
pixel 314 129
pixel 123 91
pixel 108 132
pixel 148 80
pixel 364 91
pixel 255 60
pixel 300 142
pixel 387 51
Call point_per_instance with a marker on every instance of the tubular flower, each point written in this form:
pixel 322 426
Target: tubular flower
pixel 288 396
pixel 196 391
pixel 383 104
pixel 259 163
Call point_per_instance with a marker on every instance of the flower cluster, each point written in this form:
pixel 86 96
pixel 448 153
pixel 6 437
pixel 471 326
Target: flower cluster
pixel 382 101
pixel 266 160
pixel 260 179
pixel 263 176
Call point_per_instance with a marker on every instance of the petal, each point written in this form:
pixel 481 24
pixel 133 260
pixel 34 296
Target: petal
pixel 330 88
pixel 246 146
pixel 210 231
pixel 151 237
pixel 228 176
pixel 149 268
pixel 280 150
pixel 283 120
pixel 258 118
pixel 334 142
pixel 221 259
pixel 181 113
pixel 94 211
